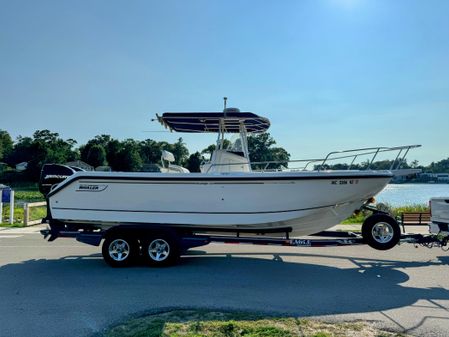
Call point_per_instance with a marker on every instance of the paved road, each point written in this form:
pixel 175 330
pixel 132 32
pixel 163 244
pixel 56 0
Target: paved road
pixel 65 289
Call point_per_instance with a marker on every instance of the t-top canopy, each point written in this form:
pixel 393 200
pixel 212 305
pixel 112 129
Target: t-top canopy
pixel 210 121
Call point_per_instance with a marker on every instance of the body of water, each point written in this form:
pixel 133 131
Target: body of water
pixel 411 194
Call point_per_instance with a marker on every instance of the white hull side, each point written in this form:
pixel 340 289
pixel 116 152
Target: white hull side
pixel 308 203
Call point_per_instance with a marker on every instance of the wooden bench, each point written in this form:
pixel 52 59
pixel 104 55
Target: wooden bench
pixel 414 219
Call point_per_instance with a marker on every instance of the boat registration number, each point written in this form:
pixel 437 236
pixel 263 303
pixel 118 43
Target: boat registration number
pixel 345 182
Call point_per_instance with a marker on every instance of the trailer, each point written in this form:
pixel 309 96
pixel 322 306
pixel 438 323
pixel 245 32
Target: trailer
pixel 159 245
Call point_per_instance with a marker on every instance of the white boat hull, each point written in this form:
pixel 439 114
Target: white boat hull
pixel 308 202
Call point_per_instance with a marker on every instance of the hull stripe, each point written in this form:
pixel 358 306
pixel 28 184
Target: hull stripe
pixel 186 212
pixel 223 179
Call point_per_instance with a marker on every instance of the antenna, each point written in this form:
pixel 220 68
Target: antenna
pixel 225 99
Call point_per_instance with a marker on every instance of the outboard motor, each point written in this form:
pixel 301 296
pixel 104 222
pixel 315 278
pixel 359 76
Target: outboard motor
pixel 53 174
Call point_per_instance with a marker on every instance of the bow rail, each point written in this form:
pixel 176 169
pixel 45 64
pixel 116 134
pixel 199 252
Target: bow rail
pixel 323 163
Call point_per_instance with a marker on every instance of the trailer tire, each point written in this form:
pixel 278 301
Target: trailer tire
pixel 381 231
pixel 161 249
pixel 119 249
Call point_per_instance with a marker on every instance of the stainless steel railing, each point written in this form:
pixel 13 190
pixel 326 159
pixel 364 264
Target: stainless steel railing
pixel 323 163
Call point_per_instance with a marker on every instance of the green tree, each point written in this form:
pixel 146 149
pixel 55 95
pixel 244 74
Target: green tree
pixel 56 149
pixel 178 149
pixel 101 140
pixel 44 147
pixel 137 153
pixel 211 148
pixel 48 147
pixel 112 154
pixel 414 164
pixel 96 156
pixel 441 166
pixel 127 158
pixel 21 151
pixel 193 163
pixel 150 151
pixel 6 145
pixel 261 150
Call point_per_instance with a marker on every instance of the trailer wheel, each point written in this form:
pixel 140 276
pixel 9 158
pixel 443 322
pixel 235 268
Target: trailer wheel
pixel 161 250
pixel 119 250
pixel 381 232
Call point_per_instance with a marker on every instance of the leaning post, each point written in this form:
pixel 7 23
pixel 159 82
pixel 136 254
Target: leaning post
pixel 1 211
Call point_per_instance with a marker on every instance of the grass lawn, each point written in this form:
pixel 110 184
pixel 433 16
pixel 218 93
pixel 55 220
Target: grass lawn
pixel 200 323
pixel 25 193
pixel 35 214
pixel 395 211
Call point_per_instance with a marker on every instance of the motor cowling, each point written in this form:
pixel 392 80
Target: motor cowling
pixel 53 174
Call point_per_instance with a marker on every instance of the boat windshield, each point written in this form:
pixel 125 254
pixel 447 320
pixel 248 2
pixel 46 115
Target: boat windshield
pixel 235 144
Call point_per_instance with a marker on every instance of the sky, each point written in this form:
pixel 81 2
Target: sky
pixel 329 74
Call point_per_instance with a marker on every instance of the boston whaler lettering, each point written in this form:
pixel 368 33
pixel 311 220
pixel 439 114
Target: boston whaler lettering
pixel 160 215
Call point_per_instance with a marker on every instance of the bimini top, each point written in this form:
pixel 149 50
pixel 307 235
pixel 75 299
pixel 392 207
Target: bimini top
pixel 210 121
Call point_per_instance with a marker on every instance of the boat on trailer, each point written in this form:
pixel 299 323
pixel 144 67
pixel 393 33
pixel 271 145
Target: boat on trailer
pixel 231 193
